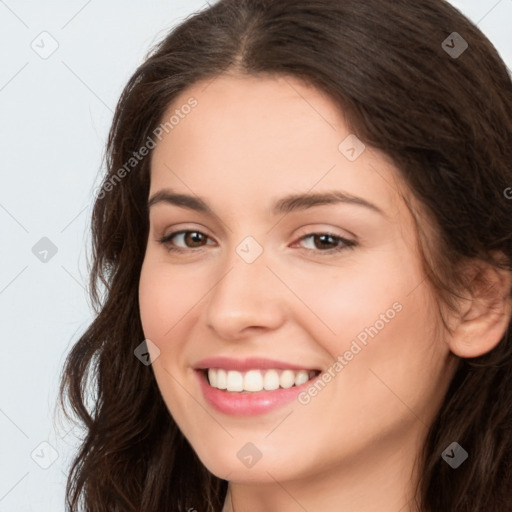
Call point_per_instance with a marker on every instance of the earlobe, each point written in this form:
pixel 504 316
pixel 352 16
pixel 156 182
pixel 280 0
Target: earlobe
pixel 485 317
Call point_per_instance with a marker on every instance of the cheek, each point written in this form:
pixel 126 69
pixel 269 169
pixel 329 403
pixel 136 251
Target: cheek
pixel 343 302
pixel 165 300
pixel 381 315
pixel 393 363
pixel 166 296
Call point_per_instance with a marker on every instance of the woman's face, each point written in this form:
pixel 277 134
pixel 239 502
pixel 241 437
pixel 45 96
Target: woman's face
pixel 265 288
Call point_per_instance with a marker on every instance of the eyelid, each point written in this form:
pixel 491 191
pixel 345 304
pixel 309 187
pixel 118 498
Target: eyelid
pixel 175 230
pixel 318 229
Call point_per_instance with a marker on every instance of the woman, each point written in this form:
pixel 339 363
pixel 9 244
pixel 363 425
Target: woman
pixel 305 238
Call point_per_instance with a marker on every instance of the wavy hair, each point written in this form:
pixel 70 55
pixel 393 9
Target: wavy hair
pixel 443 120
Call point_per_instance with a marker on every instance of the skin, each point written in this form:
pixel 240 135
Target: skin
pixel 248 142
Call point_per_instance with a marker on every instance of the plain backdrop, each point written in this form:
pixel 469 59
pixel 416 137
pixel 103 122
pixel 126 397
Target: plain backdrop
pixel 63 67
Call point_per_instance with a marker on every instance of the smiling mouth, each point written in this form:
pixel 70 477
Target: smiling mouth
pixel 253 381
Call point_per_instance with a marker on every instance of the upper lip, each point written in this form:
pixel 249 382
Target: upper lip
pixel 248 363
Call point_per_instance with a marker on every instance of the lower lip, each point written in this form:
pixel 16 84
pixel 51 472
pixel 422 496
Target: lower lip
pixel 245 403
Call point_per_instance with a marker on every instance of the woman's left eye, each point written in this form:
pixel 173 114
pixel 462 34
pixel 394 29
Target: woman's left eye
pixel 336 242
pixel 322 242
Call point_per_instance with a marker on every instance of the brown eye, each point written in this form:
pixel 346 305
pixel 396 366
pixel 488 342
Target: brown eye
pixel 190 239
pixel 194 238
pixel 327 242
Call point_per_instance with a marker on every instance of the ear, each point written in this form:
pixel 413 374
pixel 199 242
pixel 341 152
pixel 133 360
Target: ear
pixel 485 315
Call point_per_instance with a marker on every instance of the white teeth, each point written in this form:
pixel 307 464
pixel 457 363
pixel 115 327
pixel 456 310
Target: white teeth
pixel 212 377
pixel 221 379
pixel 253 381
pixel 235 381
pixel 287 379
pixel 271 380
pixel 257 380
pixel 301 377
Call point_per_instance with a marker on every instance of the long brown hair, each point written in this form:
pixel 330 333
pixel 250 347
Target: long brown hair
pixel 443 119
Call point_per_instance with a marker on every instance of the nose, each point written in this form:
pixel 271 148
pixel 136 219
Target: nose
pixel 247 297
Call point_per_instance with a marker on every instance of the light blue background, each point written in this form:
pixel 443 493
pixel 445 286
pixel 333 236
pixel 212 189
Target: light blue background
pixel 55 116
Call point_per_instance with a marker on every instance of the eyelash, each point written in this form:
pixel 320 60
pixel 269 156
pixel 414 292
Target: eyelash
pixel 346 244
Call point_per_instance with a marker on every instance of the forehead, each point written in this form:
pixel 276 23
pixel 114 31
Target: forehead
pixel 251 138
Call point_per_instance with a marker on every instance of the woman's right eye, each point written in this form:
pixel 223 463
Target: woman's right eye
pixel 185 236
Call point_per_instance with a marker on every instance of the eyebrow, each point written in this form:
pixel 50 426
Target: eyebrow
pixel 287 204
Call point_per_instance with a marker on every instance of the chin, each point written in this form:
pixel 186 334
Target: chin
pixel 246 464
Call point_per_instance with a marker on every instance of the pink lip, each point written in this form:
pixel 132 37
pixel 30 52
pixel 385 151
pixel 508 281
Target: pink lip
pixel 250 363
